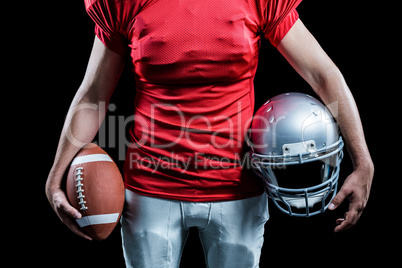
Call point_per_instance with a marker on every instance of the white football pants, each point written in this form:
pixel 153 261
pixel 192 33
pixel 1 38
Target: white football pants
pixel 154 231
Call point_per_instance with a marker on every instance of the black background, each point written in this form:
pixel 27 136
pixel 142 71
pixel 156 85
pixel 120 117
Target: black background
pixel 46 57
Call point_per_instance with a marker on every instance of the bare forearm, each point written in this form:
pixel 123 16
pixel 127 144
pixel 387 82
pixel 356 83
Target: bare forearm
pixel 81 125
pixel 334 92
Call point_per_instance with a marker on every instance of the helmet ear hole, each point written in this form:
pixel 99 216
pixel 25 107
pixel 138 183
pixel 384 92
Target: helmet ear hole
pixel 328 165
pixel 326 171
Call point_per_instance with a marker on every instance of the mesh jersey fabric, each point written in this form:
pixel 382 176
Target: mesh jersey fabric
pixel 194 64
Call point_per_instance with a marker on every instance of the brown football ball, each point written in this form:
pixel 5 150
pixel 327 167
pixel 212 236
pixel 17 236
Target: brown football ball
pixel 95 188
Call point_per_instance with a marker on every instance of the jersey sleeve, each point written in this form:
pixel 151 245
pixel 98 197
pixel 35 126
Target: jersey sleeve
pixel 109 24
pixel 280 16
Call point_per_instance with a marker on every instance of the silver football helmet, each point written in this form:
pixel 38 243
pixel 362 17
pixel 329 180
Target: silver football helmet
pixel 292 131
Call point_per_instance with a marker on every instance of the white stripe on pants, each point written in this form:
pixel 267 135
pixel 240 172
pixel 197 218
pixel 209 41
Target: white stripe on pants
pixel 154 231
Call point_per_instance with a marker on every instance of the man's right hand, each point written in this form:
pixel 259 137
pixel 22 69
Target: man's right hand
pixel 65 211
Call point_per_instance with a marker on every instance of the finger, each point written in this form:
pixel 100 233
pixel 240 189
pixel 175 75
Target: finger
pixel 60 203
pixel 70 210
pixel 74 227
pixel 68 214
pixel 349 221
pixel 338 199
pixel 340 220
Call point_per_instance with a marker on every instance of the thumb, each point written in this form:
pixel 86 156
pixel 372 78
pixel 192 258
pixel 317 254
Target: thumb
pixel 70 210
pixel 338 199
pixel 61 205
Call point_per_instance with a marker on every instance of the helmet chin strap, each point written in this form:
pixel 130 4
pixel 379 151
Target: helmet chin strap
pixel 271 175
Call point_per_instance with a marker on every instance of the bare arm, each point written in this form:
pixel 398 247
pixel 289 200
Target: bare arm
pixel 307 57
pixel 83 120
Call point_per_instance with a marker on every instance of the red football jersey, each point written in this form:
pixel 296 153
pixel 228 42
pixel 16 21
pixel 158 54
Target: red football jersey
pixel 194 64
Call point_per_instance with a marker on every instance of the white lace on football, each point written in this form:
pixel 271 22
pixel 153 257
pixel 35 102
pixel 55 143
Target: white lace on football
pixel 79 185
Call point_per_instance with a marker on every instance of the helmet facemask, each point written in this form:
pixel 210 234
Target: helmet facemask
pixel 302 190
